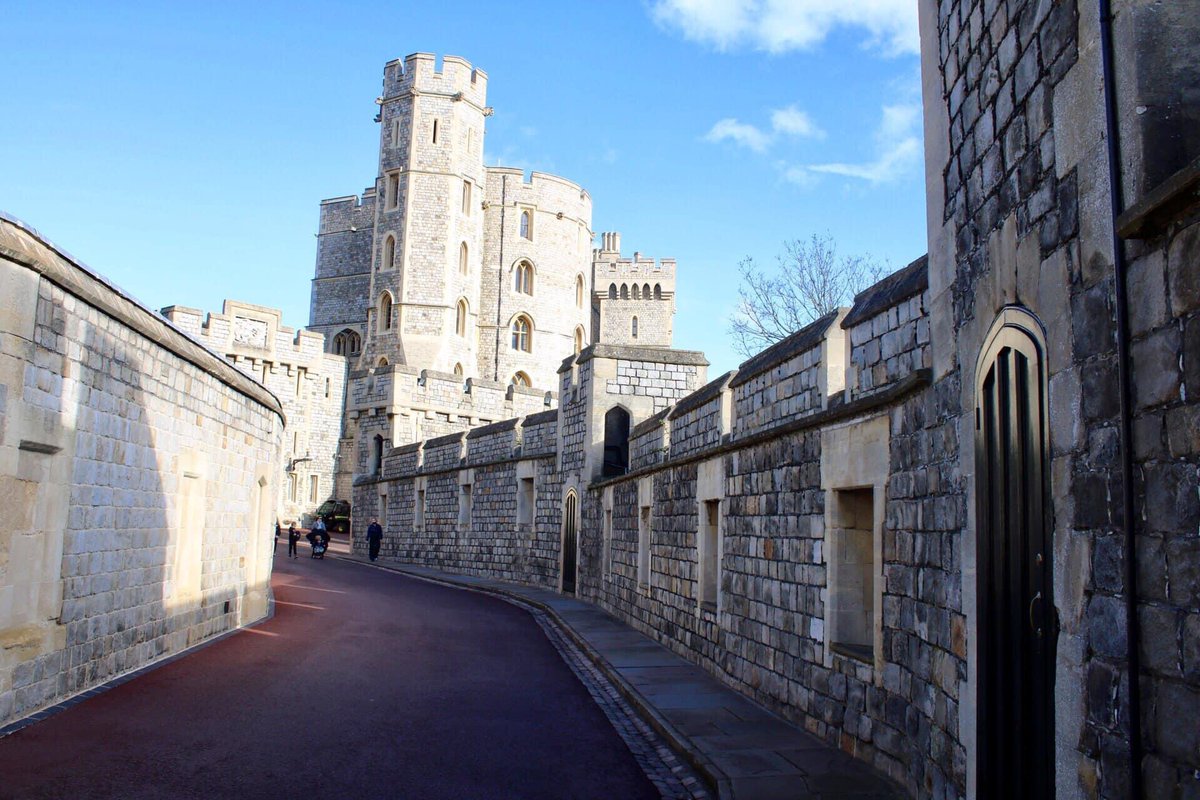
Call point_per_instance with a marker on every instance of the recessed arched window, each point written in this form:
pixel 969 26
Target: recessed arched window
pixel 658 291
pixel 527 224
pixel 637 292
pixel 646 292
pixel 522 334
pixel 382 362
pixel 624 291
pixel 634 327
pixel 355 343
pixel 466 198
pixel 578 339
pixel 462 259
pixel 612 291
pixel 341 343
pixel 460 319
pixel 579 291
pixel 521 379
pixel 523 278
pixel 458 370
pixel 378 454
pixel 389 251
pixel 385 312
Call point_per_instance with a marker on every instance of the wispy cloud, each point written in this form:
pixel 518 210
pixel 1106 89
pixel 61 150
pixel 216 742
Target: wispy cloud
pixel 741 133
pixel 898 144
pixel 789 121
pixel 794 122
pixel 778 26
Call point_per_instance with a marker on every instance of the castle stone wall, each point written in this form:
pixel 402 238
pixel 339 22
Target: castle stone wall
pixel 141 478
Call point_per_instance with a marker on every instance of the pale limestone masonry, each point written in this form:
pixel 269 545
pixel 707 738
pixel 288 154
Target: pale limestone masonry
pixel 629 289
pixel 435 269
pixel 141 477
pixel 309 382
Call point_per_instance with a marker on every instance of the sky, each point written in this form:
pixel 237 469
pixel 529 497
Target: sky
pixel 182 150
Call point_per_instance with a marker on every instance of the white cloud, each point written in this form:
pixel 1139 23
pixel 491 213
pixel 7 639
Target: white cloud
pixel 794 122
pixel 778 26
pixel 800 176
pixel 742 133
pixel 898 141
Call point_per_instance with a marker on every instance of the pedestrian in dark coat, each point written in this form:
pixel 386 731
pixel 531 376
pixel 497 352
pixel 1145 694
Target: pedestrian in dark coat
pixel 293 538
pixel 374 537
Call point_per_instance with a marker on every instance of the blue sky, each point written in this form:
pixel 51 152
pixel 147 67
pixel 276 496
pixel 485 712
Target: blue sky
pixel 182 149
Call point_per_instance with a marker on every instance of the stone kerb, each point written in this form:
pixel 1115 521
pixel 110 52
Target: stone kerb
pixel 790 379
pixel 888 331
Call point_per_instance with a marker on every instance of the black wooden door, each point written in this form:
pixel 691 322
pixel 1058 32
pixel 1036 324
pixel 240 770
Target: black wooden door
pixel 570 544
pixel 1017 625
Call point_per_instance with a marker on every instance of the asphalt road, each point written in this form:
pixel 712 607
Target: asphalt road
pixel 366 684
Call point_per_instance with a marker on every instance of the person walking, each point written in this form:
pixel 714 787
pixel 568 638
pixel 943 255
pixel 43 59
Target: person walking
pixel 374 537
pixel 293 538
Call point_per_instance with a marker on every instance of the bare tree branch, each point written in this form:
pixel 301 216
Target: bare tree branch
pixel 809 281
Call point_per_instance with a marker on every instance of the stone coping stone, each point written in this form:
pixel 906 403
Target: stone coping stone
pixel 405 449
pixel 647 425
pixel 744 751
pixel 804 339
pixel 22 244
pixel 496 427
pixel 658 355
pixel 900 285
pixel 442 441
pixel 471 383
pixel 540 418
pixel 709 391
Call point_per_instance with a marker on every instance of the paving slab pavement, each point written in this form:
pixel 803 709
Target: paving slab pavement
pixel 745 751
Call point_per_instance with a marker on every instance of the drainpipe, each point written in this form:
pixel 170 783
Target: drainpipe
pixel 500 276
pixel 1117 205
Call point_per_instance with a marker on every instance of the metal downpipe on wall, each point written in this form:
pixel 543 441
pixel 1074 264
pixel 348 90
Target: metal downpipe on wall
pixel 1117 204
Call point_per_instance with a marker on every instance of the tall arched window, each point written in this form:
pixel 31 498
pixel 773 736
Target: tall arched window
pixel 634 327
pixel 578 339
pixel 385 312
pixel 355 343
pixel 658 291
pixel 637 292
pixel 624 291
pixel 521 379
pixel 462 259
pixel 466 198
pixel 523 278
pixel 646 292
pixel 389 251
pixel 378 465
pixel 460 320
pixel 341 345
pixel 612 291
pixel 522 334
pixel 458 370
pixel 527 224
pixel 579 291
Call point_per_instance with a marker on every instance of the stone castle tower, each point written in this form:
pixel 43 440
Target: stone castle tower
pixel 449 271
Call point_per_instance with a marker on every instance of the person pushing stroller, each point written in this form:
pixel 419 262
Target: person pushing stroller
pixel 318 539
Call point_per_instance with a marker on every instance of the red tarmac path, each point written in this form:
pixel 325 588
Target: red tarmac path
pixel 365 684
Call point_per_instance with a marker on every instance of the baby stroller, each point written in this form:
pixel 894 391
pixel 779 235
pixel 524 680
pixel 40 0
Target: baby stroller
pixel 320 543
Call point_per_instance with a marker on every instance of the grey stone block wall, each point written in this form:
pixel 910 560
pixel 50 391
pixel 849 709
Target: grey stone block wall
pixel 109 419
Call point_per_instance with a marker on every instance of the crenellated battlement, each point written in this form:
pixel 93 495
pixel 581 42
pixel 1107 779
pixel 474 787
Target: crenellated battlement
pixel 244 332
pixel 419 73
pixel 608 264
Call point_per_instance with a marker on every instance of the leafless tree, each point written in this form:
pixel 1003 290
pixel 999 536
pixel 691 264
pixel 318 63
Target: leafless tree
pixel 810 280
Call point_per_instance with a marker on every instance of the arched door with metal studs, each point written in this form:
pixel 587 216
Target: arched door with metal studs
pixel 1016 626
pixel 570 544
